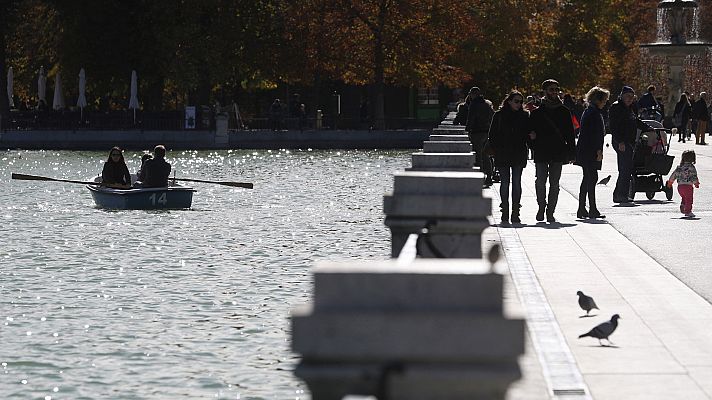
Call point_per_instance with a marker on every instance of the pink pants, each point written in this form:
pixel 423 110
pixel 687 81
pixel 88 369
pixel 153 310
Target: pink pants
pixel 686 192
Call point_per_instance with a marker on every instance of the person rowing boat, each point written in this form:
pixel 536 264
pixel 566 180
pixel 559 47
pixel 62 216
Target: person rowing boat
pixel 115 173
pixel 155 171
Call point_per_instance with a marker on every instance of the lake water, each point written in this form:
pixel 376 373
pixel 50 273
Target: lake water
pixel 175 304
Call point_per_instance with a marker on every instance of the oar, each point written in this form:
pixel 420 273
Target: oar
pixel 246 185
pixel 44 178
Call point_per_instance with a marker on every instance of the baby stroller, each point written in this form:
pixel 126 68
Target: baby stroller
pixel 651 162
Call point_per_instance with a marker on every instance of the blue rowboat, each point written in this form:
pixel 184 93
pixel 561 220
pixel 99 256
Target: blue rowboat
pixel 171 197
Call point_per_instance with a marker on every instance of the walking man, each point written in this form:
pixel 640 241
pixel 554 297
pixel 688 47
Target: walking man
pixel 624 124
pixel 702 115
pixel 479 117
pixel 554 144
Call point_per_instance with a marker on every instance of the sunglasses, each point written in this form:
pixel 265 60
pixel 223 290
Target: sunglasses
pixel 115 155
pixel 517 101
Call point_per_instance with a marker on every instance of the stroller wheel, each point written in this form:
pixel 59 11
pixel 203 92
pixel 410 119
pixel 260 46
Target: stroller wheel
pixel 650 195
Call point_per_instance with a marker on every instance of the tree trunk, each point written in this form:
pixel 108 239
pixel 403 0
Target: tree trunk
pixel 4 102
pixel 377 103
pixel 379 61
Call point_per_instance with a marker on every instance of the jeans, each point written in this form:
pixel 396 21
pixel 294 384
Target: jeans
pixel 551 170
pixel 686 192
pixel 515 173
pixel 701 130
pixel 588 188
pixel 625 171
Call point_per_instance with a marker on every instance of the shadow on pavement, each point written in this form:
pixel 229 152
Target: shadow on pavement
pixel 544 225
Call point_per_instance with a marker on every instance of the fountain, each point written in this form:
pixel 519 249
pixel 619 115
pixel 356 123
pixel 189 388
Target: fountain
pixel 676 43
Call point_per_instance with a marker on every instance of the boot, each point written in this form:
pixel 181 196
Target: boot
pixel 582 213
pixel 593 210
pixel 515 213
pixel 594 213
pixel 550 215
pixel 540 213
pixel 505 212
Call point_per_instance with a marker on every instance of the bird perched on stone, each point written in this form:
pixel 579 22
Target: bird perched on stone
pixel 586 302
pixel 604 330
pixel 605 180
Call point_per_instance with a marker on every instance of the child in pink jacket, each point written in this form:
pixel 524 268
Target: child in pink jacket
pixel 686 176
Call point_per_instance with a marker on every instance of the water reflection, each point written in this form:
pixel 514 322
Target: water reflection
pixel 175 304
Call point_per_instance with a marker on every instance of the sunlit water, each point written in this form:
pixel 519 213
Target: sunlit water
pixel 175 304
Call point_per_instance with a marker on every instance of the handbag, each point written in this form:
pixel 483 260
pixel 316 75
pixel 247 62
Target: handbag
pixel 659 164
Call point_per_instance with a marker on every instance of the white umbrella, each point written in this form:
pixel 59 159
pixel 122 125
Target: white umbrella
pixel 58 101
pixel 9 87
pixel 42 86
pixel 133 100
pixel 82 100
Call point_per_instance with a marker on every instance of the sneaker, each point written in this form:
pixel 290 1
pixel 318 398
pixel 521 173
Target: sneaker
pixel 690 214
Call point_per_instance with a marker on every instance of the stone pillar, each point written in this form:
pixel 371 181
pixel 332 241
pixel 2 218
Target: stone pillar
pixel 432 329
pixel 449 204
pixel 221 124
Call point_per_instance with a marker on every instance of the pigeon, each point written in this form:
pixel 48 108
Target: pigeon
pixel 604 330
pixel 493 255
pixel 605 180
pixel 586 302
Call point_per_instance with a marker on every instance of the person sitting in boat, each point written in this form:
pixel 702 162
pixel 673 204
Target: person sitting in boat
pixel 115 173
pixel 156 170
pixel 141 174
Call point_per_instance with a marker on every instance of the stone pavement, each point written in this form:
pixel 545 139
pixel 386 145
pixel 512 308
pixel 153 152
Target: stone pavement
pixel 663 345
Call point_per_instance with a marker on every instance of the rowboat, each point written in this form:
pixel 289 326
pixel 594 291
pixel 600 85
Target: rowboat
pixel 174 196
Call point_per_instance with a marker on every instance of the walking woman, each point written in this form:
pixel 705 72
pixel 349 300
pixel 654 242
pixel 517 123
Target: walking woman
pixel 681 117
pixel 508 140
pixel 589 150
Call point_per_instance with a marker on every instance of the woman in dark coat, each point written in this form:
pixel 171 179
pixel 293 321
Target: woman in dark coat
pixel 508 135
pixel 683 110
pixel 589 150
pixel 115 173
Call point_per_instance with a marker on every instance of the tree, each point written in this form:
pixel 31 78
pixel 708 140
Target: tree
pixel 379 42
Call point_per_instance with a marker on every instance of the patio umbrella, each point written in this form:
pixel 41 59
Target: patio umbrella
pixel 133 100
pixel 82 100
pixel 58 101
pixel 9 87
pixel 42 86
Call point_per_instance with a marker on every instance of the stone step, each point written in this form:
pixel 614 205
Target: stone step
pixel 436 206
pixel 449 137
pixel 449 183
pixel 447 147
pixel 423 285
pixel 408 336
pixel 443 161
pixel 414 381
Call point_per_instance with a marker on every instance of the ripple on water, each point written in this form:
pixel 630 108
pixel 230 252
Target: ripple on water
pixel 175 304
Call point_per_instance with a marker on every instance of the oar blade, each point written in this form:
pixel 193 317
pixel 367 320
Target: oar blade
pixel 246 185
pixel 30 177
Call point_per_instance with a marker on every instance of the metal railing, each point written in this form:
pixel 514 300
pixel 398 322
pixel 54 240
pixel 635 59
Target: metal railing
pixel 175 120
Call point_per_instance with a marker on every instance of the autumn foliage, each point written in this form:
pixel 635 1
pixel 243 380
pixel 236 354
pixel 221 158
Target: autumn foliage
pixel 189 51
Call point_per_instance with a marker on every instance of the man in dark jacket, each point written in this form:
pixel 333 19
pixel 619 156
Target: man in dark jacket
pixel 157 169
pixel 479 118
pixel 648 101
pixel 554 144
pixel 624 125
pixel 702 115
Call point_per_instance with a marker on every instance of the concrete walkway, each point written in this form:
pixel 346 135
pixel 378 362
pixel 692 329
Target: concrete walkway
pixel 663 345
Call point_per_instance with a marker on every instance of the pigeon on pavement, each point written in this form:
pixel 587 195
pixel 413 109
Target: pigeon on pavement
pixel 605 180
pixel 586 302
pixel 604 330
